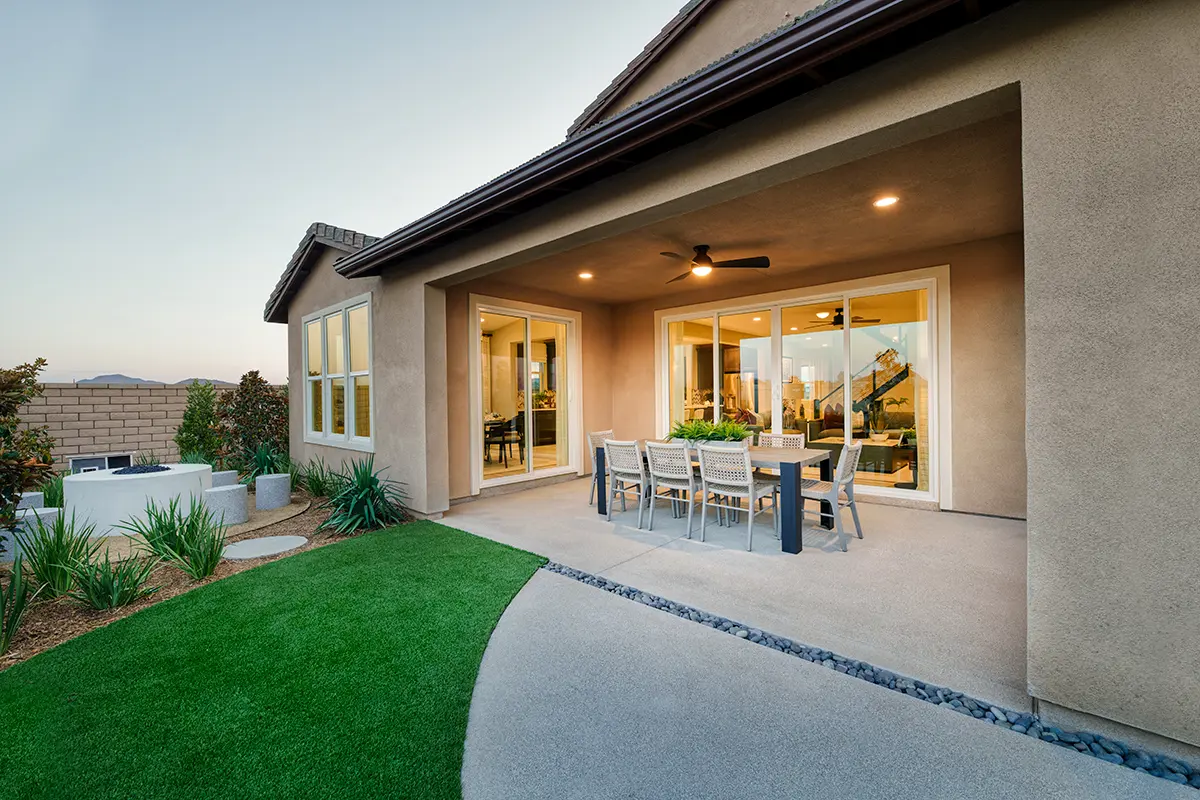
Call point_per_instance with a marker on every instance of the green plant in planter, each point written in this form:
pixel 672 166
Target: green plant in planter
pixel 701 430
pixel 729 431
pixel 909 436
pixel 364 500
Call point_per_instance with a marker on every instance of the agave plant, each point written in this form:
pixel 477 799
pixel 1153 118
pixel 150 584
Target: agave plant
pixel 13 602
pixel 364 500
pixel 103 584
pixel 53 550
pixel 265 460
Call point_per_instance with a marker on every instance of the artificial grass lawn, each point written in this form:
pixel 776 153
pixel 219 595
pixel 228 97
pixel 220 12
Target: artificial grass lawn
pixel 345 671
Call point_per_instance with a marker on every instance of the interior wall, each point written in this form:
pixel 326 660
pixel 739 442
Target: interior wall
pixel 595 332
pixel 987 361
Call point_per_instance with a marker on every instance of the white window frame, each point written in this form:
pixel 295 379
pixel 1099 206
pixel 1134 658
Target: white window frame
pixel 325 436
pixel 934 279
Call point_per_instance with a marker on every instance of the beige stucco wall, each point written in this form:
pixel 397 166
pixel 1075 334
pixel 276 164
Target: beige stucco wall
pixel 599 368
pixel 987 361
pixel 1109 124
pixel 724 27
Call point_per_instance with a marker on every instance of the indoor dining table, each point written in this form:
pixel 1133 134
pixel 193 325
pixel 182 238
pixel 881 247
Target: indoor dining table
pixel 788 460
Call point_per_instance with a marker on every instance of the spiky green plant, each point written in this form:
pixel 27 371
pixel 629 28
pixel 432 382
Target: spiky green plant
pixel 147 459
pixel 705 431
pixel 161 530
pixel 265 460
pixel 195 457
pixel 103 584
pixel 319 479
pixel 52 491
pixel 364 500
pixel 53 550
pixel 13 602
pixel 193 542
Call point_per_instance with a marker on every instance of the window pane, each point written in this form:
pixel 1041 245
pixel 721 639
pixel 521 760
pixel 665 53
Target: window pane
pixel 890 359
pixel 316 406
pixel 690 344
pixel 360 338
pixel 746 369
pixel 812 371
pixel 336 358
pixel 313 332
pixel 362 405
pixel 502 362
pixel 548 376
pixel 337 404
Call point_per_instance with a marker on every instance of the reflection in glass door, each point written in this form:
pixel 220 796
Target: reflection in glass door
pixel 745 362
pixel 812 373
pixel 547 387
pixel 690 369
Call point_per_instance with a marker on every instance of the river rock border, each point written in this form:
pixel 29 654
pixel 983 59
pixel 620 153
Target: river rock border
pixel 1092 744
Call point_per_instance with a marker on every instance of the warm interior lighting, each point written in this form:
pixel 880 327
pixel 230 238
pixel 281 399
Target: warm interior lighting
pixel 757 319
pixel 822 315
pixel 795 329
pixel 884 202
pixel 585 275
pixel 700 270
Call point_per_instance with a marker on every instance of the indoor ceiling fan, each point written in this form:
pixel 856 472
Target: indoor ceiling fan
pixel 839 319
pixel 702 263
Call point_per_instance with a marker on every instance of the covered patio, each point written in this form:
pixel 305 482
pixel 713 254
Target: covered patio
pixel 936 596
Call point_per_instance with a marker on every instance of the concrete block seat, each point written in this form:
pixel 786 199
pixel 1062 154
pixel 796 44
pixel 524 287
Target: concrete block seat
pixel 26 521
pixel 228 503
pixel 272 491
pixel 226 477
pixel 31 500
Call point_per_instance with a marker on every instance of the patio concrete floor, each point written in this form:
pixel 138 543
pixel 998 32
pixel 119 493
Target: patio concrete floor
pixel 585 694
pixel 935 596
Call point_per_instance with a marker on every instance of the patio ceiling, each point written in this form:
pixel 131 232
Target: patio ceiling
pixel 959 186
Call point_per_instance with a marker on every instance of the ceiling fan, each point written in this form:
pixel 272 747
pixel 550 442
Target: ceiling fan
pixel 702 263
pixel 839 319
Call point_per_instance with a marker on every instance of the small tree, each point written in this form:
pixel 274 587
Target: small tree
pixel 253 414
pixel 198 432
pixel 24 454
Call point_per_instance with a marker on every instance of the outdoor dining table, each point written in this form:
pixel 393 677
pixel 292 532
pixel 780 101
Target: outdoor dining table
pixel 788 460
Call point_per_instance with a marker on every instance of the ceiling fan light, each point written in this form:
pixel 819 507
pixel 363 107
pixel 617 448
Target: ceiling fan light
pixel 700 270
pixel 822 315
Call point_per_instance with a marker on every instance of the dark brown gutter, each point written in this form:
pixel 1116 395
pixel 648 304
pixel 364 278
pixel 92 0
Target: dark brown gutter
pixel 713 98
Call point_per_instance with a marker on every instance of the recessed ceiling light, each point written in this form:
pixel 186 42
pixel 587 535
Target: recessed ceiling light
pixel 808 338
pixel 481 319
pixel 795 329
pixel 895 338
pixel 757 319
pixel 822 315
pixel 825 345
pixel 585 275
pixel 884 202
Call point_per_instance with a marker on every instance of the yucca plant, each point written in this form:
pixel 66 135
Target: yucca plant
pixel 364 500
pixel 193 542
pixel 103 584
pixel 195 457
pixel 53 550
pixel 319 478
pixel 13 602
pixel 52 491
pixel 265 460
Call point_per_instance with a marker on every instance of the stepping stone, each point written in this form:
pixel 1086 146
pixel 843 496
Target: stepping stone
pixel 272 491
pixel 263 546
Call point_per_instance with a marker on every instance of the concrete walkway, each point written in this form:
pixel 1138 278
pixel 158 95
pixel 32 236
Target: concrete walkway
pixel 940 597
pixel 583 694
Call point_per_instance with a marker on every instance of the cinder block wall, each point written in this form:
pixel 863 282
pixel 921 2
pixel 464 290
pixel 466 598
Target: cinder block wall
pixel 109 418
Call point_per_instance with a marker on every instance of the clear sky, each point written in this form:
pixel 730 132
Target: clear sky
pixel 159 161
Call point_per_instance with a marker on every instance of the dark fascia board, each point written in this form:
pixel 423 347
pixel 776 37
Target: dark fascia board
pixel 679 24
pixel 836 31
pixel 300 264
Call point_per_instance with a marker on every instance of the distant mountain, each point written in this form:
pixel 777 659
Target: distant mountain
pixel 214 382
pixel 115 379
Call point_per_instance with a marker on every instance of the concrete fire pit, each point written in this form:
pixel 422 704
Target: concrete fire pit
pixel 107 499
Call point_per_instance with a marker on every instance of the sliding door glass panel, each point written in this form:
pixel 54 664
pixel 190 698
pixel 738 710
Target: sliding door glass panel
pixel 690 353
pixel 746 369
pixel 813 374
pixel 891 360
pixel 548 384
pixel 504 381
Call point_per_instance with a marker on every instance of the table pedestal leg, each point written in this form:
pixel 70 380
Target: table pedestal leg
pixel 601 484
pixel 827 509
pixel 790 520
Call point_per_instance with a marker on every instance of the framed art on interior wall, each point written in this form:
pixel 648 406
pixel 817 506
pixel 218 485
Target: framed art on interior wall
pixel 787 370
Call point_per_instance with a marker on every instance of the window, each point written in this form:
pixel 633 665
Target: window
pixel 97 463
pixel 337 359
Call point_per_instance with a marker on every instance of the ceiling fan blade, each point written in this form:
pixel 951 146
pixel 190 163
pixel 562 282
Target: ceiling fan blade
pixel 675 256
pixel 819 325
pixel 860 319
pixel 680 277
pixel 756 262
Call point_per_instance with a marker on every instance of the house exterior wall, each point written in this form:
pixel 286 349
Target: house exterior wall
pixel 721 29
pixel 987 361
pixel 1105 90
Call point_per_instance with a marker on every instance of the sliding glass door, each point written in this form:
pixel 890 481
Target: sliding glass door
pixel 523 380
pixel 855 366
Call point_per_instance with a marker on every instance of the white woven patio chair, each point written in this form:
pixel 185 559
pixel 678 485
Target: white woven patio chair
pixel 671 470
pixel 833 492
pixel 627 475
pixel 727 476
pixel 595 439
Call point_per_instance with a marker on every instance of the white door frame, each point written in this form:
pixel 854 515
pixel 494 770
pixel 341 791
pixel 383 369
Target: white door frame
pixel 574 396
pixel 935 279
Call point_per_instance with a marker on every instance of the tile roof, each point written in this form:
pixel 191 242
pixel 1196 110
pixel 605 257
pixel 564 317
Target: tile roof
pixel 318 234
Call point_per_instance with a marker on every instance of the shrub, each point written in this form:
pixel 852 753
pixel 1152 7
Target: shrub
pixel 319 479
pixel 363 500
pixel 198 432
pixel 103 584
pixel 13 602
pixel 193 542
pixel 195 457
pixel 252 415
pixel 24 454
pixel 263 461
pixel 54 550
pixel 52 492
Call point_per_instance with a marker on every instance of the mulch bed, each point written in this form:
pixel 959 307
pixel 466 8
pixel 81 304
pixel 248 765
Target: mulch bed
pixel 49 623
